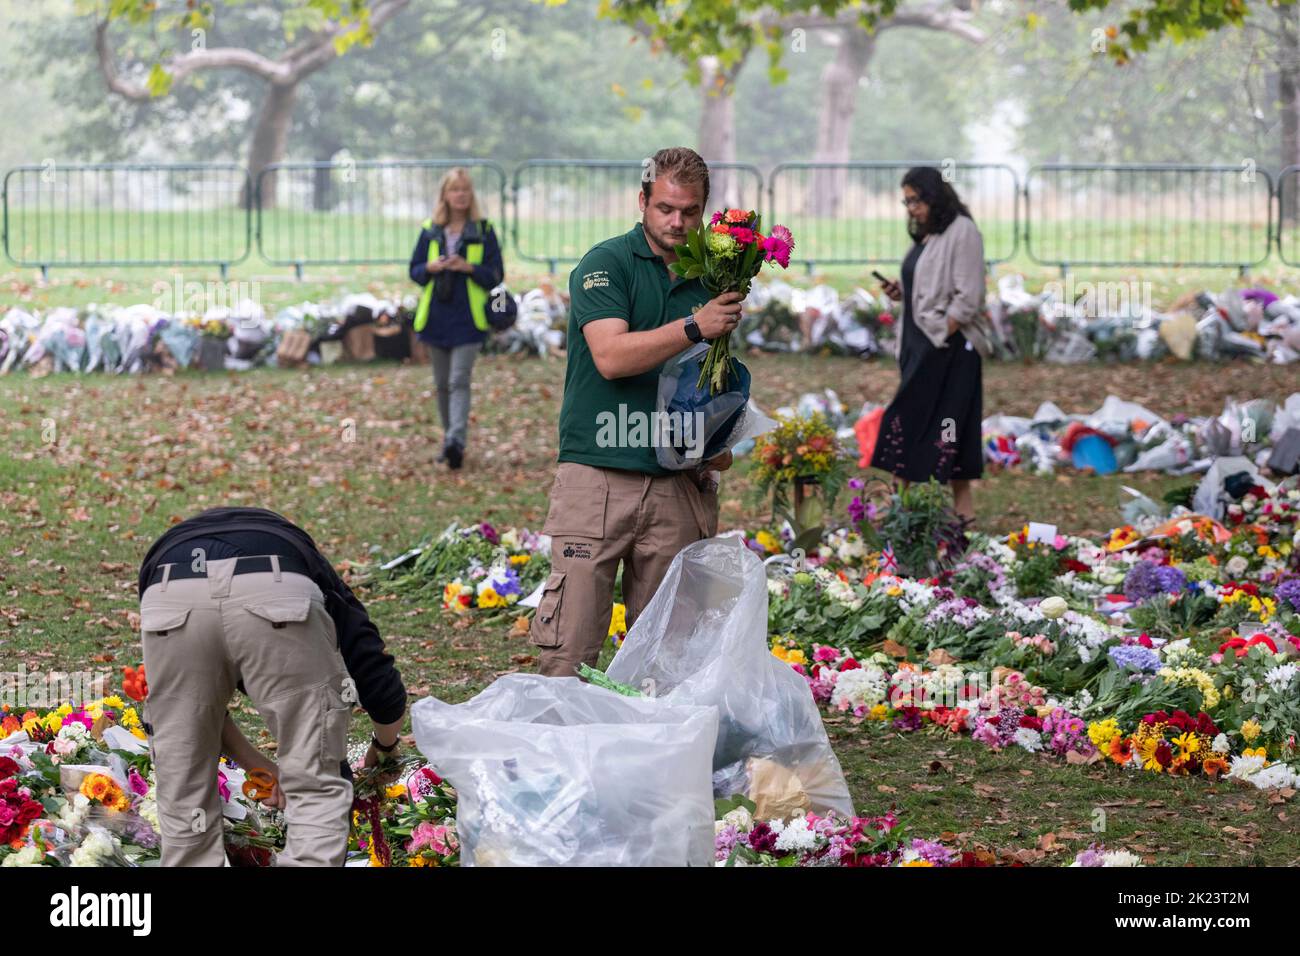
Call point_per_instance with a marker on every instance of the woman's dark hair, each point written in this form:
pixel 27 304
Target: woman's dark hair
pixel 937 193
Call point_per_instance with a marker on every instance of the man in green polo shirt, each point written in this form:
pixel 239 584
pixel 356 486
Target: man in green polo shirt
pixel 611 501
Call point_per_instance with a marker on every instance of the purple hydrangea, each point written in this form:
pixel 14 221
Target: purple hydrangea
pixel 1145 580
pixel 1289 591
pixel 1135 656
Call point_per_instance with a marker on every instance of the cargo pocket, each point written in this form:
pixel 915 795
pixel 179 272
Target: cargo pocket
pixel 156 621
pixel 281 612
pixel 545 629
pixel 336 720
pixel 577 508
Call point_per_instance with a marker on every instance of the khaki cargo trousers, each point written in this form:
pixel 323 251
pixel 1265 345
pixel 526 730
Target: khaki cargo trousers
pixel 271 630
pixel 597 518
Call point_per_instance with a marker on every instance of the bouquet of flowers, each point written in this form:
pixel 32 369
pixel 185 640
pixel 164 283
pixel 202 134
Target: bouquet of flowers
pixel 725 255
pixel 800 451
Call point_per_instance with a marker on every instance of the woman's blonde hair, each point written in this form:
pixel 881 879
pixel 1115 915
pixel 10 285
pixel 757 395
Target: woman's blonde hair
pixel 442 212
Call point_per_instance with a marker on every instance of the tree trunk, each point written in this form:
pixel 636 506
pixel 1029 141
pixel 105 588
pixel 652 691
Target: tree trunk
pixel 839 97
pixel 270 138
pixel 717 136
pixel 324 195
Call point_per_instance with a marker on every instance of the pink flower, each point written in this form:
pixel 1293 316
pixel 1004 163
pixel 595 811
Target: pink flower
pixel 778 246
pixel 79 717
pixel 440 839
pixel 7 814
pixel 742 235
pixel 137 783
pixel 223 786
pixel 825 653
pixel 422 783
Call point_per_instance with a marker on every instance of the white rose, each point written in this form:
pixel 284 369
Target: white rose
pixel 740 819
pixel 1053 607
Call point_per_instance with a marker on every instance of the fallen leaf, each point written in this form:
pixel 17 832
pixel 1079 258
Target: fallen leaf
pixel 893 648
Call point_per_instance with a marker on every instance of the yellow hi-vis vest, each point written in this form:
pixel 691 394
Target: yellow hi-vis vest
pixel 478 295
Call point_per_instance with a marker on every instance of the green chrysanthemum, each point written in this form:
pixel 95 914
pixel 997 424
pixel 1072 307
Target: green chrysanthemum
pixel 721 244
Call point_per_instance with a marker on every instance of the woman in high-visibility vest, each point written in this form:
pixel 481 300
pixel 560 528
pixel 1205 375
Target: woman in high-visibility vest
pixel 457 260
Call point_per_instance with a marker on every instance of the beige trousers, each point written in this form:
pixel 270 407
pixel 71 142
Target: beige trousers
pixel 270 630
pixel 597 518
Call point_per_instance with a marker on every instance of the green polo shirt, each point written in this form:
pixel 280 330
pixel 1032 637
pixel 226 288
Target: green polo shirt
pixel 620 278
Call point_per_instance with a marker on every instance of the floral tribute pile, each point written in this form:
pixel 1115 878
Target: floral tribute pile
pixel 1170 647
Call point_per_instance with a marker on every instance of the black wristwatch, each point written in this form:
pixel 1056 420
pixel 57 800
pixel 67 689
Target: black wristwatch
pixel 693 330
pixel 381 748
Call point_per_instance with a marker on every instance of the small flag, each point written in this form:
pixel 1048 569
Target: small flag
pixel 887 560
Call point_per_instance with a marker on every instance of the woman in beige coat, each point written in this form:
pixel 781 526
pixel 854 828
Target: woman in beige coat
pixel 931 429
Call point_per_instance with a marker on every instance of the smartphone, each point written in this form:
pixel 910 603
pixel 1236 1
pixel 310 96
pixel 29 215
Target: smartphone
pixel 879 276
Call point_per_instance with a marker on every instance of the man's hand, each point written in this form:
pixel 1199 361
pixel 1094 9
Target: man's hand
pixel 721 463
pixel 892 289
pixel 719 315
pixel 374 756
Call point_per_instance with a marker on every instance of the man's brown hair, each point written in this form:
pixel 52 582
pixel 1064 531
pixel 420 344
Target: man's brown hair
pixel 681 164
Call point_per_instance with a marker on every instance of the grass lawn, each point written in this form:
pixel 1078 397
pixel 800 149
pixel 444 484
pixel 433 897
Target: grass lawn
pixel 96 467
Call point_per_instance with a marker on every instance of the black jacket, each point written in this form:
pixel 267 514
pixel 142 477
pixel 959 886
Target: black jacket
pixel 379 685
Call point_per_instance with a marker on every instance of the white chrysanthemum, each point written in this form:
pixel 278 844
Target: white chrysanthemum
pixel 1274 777
pixel 27 856
pixel 75 731
pixel 1243 768
pixel 796 836
pixel 775 587
pixel 1279 678
pixel 1221 745
pixel 1236 566
pixel 838 590
pixel 1120 858
pixel 1030 739
pixel 98 847
pixel 852 548
pixel 861 687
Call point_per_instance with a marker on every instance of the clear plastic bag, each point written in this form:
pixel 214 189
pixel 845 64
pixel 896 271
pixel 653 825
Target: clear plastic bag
pixel 702 640
pixel 550 771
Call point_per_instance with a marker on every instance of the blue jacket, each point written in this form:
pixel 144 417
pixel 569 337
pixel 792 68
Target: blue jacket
pixel 450 323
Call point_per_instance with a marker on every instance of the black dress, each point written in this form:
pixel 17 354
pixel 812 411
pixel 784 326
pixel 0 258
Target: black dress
pixel 932 427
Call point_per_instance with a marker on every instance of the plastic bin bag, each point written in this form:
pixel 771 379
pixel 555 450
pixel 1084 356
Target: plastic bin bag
pixel 702 640
pixel 550 771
